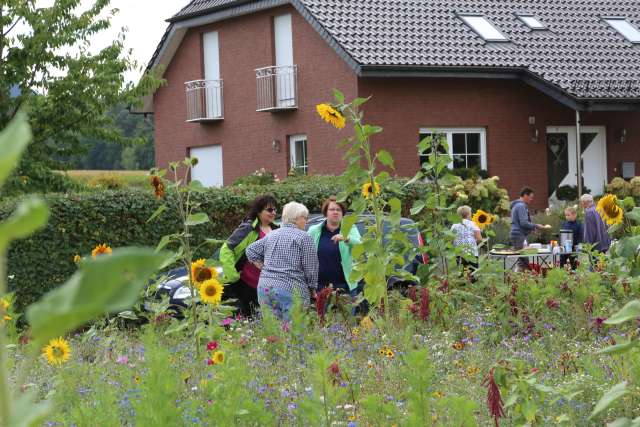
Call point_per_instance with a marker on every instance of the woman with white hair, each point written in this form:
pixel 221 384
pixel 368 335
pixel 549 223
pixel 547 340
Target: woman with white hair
pixel 468 235
pixel 288 260
pixel 595 231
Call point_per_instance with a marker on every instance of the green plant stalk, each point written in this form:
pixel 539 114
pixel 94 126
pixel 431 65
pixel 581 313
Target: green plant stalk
pixel 184 212
pixel 5 408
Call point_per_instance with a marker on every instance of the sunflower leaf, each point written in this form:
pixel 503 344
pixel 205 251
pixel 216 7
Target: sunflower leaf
pixel 630 311
pixel 25 412
pixel 385 158
pixel 609 398
pixel 157 213
pixel 106 284
pixel 196 219
pixel 13 140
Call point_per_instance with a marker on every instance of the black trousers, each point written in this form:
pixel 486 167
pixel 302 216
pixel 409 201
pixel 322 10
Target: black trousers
pixel 246 297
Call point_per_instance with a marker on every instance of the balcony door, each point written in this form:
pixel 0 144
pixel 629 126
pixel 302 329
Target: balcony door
pixel 284 75
pixel 212 84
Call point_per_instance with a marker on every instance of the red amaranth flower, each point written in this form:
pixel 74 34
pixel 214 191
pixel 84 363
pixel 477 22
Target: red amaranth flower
pixel 494 400
pixel 424 304
pixel 321 302
pixel 212 345
pixel 412 294
pixel 553 303
pixel 272 339
pixel 588 304
pixel 444 286
pixel 335 372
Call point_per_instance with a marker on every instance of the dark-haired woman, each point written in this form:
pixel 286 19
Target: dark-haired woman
pixel 241 275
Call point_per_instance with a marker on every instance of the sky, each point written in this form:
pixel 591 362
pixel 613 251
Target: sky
pixel 145 20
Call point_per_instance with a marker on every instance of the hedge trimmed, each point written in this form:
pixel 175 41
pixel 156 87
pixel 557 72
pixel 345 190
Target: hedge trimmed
pixel 118 218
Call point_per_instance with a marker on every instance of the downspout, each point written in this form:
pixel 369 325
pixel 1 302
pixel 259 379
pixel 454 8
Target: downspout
pixel 578 154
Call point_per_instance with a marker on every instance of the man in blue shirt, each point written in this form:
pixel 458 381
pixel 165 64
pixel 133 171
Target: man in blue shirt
pixel 521 224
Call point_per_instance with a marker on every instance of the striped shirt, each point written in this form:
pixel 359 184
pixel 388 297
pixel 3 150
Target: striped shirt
pixel 290 260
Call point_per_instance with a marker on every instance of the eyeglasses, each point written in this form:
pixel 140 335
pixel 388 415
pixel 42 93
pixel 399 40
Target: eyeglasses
pixel 270 210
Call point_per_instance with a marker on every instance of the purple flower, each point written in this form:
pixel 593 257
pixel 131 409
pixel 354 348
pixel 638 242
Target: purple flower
pixel 227 321
pixel 122 360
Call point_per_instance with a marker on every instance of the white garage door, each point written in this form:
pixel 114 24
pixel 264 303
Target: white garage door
pixel 209 168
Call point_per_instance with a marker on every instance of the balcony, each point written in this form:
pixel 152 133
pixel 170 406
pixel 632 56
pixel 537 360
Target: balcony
pixel 204 100
pixel 277 88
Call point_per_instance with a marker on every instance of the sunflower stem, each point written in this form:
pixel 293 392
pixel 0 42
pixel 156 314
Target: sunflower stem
pixel 5 407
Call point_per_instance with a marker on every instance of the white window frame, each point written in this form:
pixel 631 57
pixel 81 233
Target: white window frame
pixel 479 24
pixel 449 133
pixel 293 140
pixel 624 30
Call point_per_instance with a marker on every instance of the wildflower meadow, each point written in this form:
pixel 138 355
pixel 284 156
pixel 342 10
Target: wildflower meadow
pixel 455 347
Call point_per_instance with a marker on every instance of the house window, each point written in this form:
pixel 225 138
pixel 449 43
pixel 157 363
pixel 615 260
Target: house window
pixel 623 26
pixel 298 147
pixel 466 146
pixel 532 22
pixel 483 27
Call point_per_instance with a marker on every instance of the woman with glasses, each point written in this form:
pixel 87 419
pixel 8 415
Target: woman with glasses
pixel 289 263
pixel 334 249
pixel 242 276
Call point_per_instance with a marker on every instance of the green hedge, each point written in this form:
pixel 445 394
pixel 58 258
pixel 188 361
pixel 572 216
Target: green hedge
pixel 118 218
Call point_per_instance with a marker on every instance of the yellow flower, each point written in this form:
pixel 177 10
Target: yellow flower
pixel 137 379
pixel 4 304
pixel 437 394
pixel 472 371
pixel 57 351
pixel 482 218
pixel 389 354
pixel 200 273
pixel 77 258
pixel 100 249
pixel 458 345
pixel 355 332
pixel 218 358
pixel 331 115
pixel 6 318
pixel 609 210
pixel 211 291
pixel 366 189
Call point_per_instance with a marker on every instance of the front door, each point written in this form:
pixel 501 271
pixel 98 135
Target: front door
pixel 561 158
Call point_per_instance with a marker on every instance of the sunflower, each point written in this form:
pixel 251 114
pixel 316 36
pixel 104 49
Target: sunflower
pixel 158 186
pixel 57 351
pixel 366 189
pixel 200 273
pixel 218 358
pixel 211 292
pixel 482 218
pixel 609 210
pixel 101 249
pixel 458 345
pixel 389 354
pixel 331 115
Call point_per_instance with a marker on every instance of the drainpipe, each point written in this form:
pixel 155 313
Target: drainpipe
pixel 578 154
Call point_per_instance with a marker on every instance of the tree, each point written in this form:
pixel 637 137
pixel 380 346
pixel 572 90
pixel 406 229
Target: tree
pixel 65 89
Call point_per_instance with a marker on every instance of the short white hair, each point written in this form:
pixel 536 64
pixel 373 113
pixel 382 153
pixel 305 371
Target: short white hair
pixel 587 199
pixel 464 211
pixel 292 211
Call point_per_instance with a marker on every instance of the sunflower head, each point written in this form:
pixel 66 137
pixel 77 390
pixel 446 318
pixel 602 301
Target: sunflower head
pixel 211 291
pixel 331 115
pixel 367 190
pixel 201 273
pixel 100 250
pixel 218 357
pixel 458 345
pixel 482 218
pixel 609 210
pixel 57 351
pixel 389 354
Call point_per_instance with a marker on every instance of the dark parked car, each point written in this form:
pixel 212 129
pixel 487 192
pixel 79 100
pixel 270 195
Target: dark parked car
pixel 176 288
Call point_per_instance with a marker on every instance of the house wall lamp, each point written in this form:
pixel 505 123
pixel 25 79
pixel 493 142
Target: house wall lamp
pixel 275 145
pixel 622 135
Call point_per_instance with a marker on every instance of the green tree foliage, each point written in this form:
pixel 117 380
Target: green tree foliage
pixel 66 89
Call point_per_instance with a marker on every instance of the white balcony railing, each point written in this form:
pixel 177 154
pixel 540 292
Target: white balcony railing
pixel 277 88
pixel 204 100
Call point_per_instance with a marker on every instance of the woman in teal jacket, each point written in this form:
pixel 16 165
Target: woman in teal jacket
pixel 240 275
pixel 334 249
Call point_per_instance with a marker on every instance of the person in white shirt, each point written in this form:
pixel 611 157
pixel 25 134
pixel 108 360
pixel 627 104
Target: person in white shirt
pixel 468 235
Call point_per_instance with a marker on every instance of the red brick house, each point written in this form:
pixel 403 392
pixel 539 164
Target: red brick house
pixel 509 83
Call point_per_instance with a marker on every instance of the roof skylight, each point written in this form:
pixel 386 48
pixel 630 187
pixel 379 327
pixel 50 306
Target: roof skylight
pixel 532 22
pixel 623 26
pixel 483 27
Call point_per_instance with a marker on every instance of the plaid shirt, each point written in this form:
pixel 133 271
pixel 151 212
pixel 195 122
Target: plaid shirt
pixel 290 260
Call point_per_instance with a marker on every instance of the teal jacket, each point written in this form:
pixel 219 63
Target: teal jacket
pixel 345 249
